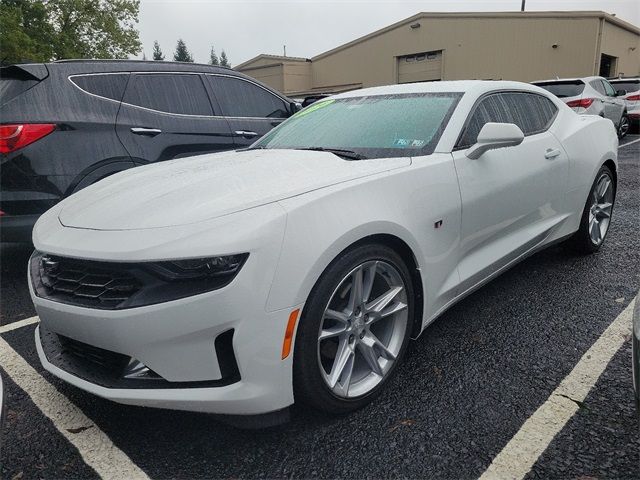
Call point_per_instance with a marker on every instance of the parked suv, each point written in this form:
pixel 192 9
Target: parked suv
pixel 591 96
pixel 66 125
pixel 632 98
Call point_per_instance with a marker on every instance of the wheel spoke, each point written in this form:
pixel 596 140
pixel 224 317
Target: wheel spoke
pixel 342 386
pixel 369 277
pixel 595 231
pixel 392 309
pixel 378 305
pixel 370 356
pixel 337 316
pixel 332 332
pixel 384 352
pixel 603 186
pixel 357 287
pixel 345 352
pixel 605 209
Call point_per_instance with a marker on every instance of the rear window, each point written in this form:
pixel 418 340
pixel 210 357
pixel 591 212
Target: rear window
pixel 183 94
pixel 628 85
pixel 13 82
pixel 104 85
pixel 571 88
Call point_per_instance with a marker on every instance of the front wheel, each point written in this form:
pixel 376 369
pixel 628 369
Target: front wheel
pixel 354 330
pixel 623 126
pixel 596 217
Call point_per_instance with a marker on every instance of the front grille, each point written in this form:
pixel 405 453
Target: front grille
pixel 106 368
pixel 83 282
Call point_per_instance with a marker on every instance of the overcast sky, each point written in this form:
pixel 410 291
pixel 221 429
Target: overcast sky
pixel 246 28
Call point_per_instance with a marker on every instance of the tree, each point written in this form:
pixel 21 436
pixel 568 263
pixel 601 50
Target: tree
pixel 157 51
pixel 224 62
pixel 44 30
pixel 182 53
pixel 213 60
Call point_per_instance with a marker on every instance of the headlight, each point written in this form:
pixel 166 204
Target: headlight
pixel 115 286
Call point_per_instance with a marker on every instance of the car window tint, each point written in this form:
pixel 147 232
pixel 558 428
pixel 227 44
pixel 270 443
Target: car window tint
pixel 109 86
pixel 628 85
pixel 609 89
pixel 597 85
pixel 240 98
pixel 532 113
pixel 171 93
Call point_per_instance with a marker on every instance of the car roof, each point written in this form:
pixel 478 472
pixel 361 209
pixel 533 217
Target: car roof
pixel 90 66
pixel 475 87
pixel 623 79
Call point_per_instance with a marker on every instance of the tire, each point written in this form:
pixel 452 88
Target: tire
pixel 623 126
pixel 583 241
pixel 313 366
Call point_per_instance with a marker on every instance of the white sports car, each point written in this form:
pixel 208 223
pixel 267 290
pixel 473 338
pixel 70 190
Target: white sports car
pixel 298 269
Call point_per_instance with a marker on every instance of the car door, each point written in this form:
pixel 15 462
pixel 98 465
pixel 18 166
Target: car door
pixel 167 115
pixel 511 197
pixel 614 105
pixel 250 109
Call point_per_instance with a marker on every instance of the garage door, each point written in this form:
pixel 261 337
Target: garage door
pixel 420 67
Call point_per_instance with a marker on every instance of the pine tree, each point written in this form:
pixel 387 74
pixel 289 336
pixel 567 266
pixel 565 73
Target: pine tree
pixel 224 62
pixel 214 58
pixel 144 56
pixel 182 53
pixel 157 51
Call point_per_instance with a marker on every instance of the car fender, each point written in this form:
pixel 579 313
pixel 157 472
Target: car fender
pixel 98 171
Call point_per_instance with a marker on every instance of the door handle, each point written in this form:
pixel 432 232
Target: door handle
pixel 552 153
pixel 245 133
pixel 146 131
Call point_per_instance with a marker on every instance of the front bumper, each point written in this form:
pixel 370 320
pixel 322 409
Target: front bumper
pixel 177 339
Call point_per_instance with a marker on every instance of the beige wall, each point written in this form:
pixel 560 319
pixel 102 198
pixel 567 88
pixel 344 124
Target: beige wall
pixel 508 48
pixel 271 75
pixel 619 43
pixel 297 77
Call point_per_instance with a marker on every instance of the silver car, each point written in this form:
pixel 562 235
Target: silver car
pixel 591 96
pixel 632 98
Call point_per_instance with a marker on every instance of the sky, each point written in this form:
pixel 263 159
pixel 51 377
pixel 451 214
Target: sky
pixel 246 28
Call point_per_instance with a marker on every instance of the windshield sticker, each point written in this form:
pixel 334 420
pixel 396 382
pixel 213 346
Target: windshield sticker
pixel 407 142
pixel 314 107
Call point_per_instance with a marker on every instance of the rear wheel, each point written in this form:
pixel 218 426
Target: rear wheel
pixel 354 330
pixel 623 126
pixel 596 217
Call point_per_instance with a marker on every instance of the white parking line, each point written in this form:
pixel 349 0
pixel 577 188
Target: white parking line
pixel 19 324
pixel 95 447
pixel 519 455
pixel 629 143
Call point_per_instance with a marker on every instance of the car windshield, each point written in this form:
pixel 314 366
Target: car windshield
pixel 374 126
pixel 628 85
pixel 571 88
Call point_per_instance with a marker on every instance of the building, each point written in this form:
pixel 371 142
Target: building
pixel 522 46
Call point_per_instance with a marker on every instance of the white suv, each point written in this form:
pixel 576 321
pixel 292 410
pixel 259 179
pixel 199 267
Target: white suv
pixel 591 96
pixel 632 98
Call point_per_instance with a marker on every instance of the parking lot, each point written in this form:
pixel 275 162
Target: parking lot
pixel 473 388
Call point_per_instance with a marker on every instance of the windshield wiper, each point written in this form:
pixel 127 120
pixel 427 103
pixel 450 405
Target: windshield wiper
pixel 348 154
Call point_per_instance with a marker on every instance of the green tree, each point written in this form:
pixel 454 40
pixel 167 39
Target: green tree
pixel 157 51
pixel 224 62
pixel 182 53
pixel 213 59
pixel 44 30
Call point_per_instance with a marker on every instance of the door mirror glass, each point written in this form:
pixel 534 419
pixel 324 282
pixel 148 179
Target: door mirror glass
pixel 295 107
pixel 621 93
pixel 495 135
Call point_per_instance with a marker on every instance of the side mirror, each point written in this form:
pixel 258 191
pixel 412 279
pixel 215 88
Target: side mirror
pixel 495 135
pixel 295 107
pixel 621 93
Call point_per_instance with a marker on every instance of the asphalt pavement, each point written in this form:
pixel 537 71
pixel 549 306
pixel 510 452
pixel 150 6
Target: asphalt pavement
pixel 468 385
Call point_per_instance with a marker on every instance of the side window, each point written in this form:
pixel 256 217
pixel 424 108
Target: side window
pixel 239 98
pixel 105 85
pixel 597 85
pixel 492 108
pixel 171 93
pixel 532 113
pixel 609 89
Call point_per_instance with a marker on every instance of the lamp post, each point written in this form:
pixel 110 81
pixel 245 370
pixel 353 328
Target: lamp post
pixel 522 6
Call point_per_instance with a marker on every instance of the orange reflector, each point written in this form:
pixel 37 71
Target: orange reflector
pixel 288 334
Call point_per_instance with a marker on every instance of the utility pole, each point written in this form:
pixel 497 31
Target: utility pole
pixel 522 7
pixel 285 50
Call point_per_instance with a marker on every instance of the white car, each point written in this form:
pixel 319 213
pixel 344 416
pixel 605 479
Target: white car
pixel 631 87
pixel 298 269
pixel 592 96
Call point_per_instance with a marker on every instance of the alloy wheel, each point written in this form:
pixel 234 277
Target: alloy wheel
pixel 623 128
pixel 362 329
pixel 601 209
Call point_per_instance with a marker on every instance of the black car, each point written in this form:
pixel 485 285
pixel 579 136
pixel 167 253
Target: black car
pixel 68 124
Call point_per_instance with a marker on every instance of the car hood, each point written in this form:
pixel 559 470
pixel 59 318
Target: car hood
pixel 190 190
